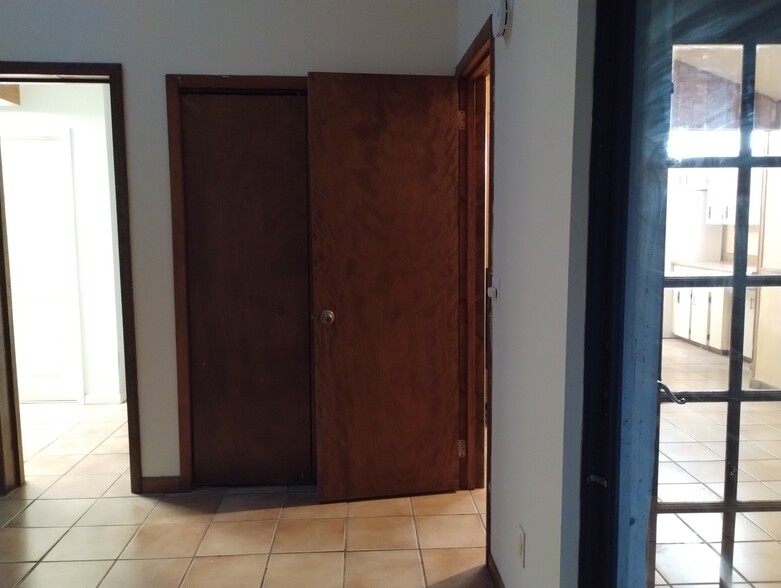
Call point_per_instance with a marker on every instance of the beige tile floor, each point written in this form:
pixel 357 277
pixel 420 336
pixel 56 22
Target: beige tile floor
pixel 691 469
pixel 75 523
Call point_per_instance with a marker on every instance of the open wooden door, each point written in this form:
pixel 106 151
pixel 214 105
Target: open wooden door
pixel 384 214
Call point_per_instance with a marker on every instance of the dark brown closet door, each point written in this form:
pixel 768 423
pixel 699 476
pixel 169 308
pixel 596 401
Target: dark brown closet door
pixel 384 209
pixel 245 180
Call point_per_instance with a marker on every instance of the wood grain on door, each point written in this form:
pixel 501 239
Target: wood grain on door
pixel 245 183
pixel 384 215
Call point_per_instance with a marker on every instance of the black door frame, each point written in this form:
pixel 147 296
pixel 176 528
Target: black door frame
pixel 608 510
pixel 608 214
pixel 12 471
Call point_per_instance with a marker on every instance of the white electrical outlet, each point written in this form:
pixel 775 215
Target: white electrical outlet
pixel 522 547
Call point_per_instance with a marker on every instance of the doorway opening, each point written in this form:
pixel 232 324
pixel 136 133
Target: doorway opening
pixel 69 337
pixel 468 257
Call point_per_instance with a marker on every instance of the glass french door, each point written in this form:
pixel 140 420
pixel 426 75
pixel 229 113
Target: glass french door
pixel 715 175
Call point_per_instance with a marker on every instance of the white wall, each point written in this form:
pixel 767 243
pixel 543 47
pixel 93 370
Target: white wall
pixel 542 138
pixel 152 38
pixel 543 97
pixel 79 109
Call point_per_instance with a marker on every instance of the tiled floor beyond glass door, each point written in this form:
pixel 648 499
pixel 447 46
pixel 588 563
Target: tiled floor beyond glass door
pixel 691 469
pixel 76 524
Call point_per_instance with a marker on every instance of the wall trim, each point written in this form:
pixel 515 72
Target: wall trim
pixel 162 485
pixel 493 571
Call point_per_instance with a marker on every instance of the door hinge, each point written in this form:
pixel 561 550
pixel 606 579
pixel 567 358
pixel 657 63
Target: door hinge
pixel 461 448
pixel 461 120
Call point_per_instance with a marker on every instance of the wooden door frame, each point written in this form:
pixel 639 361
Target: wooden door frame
pixel 176 86
pixel 474 316
pixel 11 459
pixel 471 72
pixel 476 63
pixel 12 470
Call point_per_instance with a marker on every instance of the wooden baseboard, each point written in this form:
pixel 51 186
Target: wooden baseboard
pixel 494 573
pixel 161 484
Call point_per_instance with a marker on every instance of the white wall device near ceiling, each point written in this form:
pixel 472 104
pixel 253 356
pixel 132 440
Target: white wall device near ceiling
pixel 501 17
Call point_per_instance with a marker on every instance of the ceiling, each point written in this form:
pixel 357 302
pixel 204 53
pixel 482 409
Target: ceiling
pixel 726 61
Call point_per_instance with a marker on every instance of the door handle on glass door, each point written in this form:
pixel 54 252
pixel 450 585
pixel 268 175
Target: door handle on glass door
pixel 664 389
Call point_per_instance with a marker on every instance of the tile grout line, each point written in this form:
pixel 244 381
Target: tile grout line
pixel 414 516
pixel 39 497
pixel 273 538
pixel 417 541
pixel 73 525
pixel 344 551
pixel 134 535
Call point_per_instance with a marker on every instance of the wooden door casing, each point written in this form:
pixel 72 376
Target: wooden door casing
pixel 11 462
pixel 11 458
pixel 247 252
pixel 385 260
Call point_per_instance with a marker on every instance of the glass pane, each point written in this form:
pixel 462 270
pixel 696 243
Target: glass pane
pixel 700 221
pixel 757 195
pixel 705 107
pixel 749 331
pixel 758 561
pixel 764 216
pixel 696 338
pixel 691 451
pixel 760 452
pixel 766 139
pixel 689 545
pixel 764 238
pixel 762 339
pixel 693 563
